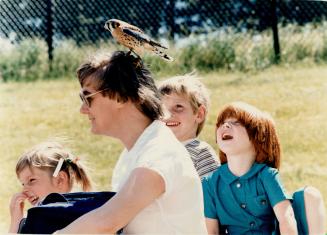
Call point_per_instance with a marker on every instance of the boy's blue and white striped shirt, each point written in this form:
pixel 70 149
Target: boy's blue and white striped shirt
pixel 204 157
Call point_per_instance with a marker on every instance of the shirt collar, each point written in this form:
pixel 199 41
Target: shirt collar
pixel 229 177
pixel 144 137
pixel 191 142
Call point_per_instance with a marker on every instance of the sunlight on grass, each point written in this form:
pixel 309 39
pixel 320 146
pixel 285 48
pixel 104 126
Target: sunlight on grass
pixel 296 98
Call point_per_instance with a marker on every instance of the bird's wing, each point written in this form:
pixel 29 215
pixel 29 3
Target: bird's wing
pixel 132 27
pixel 129 26
pixel 142 37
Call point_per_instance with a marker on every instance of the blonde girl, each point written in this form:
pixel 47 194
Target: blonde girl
pixel 44 169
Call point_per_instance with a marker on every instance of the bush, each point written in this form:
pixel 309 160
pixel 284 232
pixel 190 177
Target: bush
pixel 296 52
pixel 26 61
pixel 256 55
pixel 207 54
pixel 160 67
pixel 302 43
pixel 321 55
pixel 217 54
pixel 224 49
pixel 66 59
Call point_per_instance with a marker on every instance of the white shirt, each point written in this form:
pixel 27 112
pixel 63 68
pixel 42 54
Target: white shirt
pixel 179 210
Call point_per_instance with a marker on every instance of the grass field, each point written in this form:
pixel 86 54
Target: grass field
pixel 296 97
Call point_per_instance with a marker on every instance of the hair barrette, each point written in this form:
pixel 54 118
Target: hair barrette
pixel 58 167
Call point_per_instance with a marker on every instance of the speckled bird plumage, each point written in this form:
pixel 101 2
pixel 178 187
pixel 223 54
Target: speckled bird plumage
pixel 134 38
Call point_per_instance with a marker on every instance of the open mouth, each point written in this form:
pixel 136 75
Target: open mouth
pixel 172 124
pixel 227 137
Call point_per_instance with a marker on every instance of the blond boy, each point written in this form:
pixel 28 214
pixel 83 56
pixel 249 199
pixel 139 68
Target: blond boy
pixel 187 101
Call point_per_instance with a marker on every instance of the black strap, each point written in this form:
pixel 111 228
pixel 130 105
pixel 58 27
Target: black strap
pixel 53 197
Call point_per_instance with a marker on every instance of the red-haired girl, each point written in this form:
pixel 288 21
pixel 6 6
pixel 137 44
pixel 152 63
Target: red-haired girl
pixel 245 195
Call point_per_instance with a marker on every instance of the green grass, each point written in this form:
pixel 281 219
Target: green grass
pixel 296 97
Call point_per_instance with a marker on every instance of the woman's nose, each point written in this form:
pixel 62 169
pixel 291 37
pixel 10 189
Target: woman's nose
pixel 84 109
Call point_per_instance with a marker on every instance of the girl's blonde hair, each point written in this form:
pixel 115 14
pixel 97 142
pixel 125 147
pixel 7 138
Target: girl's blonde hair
pixel 261 130
pixel 46 156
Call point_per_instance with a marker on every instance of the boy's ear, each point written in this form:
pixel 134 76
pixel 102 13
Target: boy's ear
pixel 201 114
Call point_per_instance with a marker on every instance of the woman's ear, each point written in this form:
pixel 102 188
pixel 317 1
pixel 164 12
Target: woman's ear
pixel 201 114
pixel 62 181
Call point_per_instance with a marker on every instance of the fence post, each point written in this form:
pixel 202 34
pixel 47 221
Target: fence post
pixel 171 18
pixel 274 27
pixel 49 31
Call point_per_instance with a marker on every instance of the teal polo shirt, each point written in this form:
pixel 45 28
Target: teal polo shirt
pixel 243 205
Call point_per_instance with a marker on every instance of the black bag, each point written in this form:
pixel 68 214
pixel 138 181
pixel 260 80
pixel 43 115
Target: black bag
pixel 56 211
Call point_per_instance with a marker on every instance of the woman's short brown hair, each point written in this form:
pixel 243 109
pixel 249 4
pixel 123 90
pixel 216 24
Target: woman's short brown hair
pixel 123 77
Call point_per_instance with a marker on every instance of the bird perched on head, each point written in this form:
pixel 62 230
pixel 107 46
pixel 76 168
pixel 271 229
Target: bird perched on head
pixel 134 38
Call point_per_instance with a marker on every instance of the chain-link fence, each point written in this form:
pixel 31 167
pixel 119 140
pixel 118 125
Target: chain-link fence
pixel 83 20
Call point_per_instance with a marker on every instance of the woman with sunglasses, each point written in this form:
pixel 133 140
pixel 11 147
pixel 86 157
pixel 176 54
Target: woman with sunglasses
pixel 158 189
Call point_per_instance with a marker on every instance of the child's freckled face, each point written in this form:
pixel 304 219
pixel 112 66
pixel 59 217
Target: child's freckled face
pixel 182 120
pixel 37 184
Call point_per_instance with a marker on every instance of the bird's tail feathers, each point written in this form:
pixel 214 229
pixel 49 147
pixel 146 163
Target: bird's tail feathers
pixel 167 57
pixel 162 54
pixel 154 43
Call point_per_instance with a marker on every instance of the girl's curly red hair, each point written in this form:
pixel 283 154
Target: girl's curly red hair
pixel 261 130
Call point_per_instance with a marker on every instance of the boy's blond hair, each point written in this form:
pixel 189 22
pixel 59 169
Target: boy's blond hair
pixel 192 88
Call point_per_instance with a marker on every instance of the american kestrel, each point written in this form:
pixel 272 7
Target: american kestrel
pixel 134 38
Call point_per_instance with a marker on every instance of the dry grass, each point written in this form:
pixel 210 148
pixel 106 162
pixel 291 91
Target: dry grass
pixel 296 97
